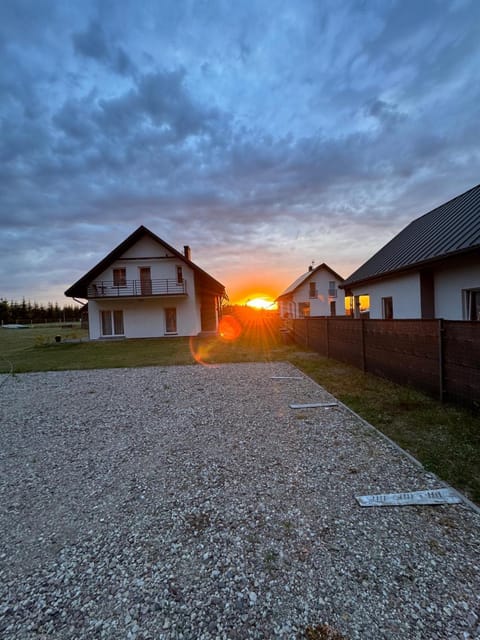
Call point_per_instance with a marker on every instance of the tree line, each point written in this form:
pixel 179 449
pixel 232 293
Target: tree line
pixel 26 312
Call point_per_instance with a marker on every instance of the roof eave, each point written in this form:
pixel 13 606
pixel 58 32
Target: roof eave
pixel 305 277
pixel 79 288
pixel 408 268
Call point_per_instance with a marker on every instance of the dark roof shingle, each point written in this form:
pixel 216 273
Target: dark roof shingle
pixel 450 229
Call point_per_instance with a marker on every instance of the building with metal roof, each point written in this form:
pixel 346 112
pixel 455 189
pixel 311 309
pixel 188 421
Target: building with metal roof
pixel 431 269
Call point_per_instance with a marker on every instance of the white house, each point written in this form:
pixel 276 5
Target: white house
pixel 146 288
pixel 431 269
pixel 314 293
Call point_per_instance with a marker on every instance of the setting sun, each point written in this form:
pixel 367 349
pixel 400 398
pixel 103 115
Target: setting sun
pixel 261 303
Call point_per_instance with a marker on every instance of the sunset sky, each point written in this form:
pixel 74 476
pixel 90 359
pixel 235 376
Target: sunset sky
pixel 264 134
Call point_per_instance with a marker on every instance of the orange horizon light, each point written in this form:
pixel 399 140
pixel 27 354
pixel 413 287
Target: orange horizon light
pixel 258 301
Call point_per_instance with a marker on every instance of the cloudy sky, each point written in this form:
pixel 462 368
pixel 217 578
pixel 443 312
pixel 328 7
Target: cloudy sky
pixel 266 134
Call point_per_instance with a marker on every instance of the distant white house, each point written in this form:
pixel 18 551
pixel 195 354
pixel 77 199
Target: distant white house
pixel 146 288
pixel 314 293
pixel 431 269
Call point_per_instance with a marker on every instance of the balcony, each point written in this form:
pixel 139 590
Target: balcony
pixel 137 288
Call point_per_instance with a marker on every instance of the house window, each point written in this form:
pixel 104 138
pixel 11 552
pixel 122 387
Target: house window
pixel 332 289
pixel 112 323
pixel 303 309
pixel 387 308
pixel 179 275
pixel 119 277
pixel 471 304
pixel 313 290
pixel 333 308
pixel 171 320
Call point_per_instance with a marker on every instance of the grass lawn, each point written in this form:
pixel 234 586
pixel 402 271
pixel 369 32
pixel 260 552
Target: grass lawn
pixel 446 439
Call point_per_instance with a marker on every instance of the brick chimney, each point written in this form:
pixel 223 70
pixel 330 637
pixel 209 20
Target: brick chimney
pixel 186 252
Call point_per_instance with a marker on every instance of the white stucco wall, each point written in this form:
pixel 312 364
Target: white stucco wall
pixel 404 290
pixel 144 317
pixel 320 305
pixel 145 248
pixel 93 320
pixel 449 284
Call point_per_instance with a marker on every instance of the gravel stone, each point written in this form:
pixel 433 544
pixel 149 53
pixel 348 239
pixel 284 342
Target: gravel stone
pixel 192 503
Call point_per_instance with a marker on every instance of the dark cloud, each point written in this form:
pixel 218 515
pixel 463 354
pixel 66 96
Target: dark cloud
pixel 93 43
pixel 386 113
pixel 238 129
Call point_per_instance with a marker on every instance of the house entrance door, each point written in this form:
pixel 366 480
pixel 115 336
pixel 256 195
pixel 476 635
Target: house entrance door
pixel 145 281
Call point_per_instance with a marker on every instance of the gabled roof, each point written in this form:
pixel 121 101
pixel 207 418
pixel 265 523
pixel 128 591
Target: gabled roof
pixel 451 229
pixel 305 276
pixel 202 278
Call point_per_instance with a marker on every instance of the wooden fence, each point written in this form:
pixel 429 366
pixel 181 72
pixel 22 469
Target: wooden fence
pixel 439 357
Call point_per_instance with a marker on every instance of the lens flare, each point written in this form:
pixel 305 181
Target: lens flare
pixel 200 350
pixel 203 349
pixel 229 328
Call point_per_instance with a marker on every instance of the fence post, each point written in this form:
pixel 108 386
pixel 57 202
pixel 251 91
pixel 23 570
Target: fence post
pixel 362 328
pixel 441 363
pixel 326 336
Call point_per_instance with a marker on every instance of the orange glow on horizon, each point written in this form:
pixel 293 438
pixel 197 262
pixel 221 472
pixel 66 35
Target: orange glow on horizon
pixel 259 301
pixel 262 303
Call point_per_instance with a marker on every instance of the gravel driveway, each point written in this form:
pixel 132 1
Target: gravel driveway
pixel 193 502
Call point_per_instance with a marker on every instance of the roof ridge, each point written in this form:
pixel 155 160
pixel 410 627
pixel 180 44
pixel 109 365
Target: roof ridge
pixel 450 228
pixel 79 288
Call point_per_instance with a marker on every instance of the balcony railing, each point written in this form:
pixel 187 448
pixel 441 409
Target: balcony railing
pixel 137 288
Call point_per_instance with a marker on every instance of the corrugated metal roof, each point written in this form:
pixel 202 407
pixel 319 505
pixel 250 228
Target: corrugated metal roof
pixel 451 228
pixel 301 279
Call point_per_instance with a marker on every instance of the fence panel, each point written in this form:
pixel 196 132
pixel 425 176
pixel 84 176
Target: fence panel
pixel 345 340
pixel 318 335
pixel 405 351
pixel 461 368
pixel 300 332
pixel 441 358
